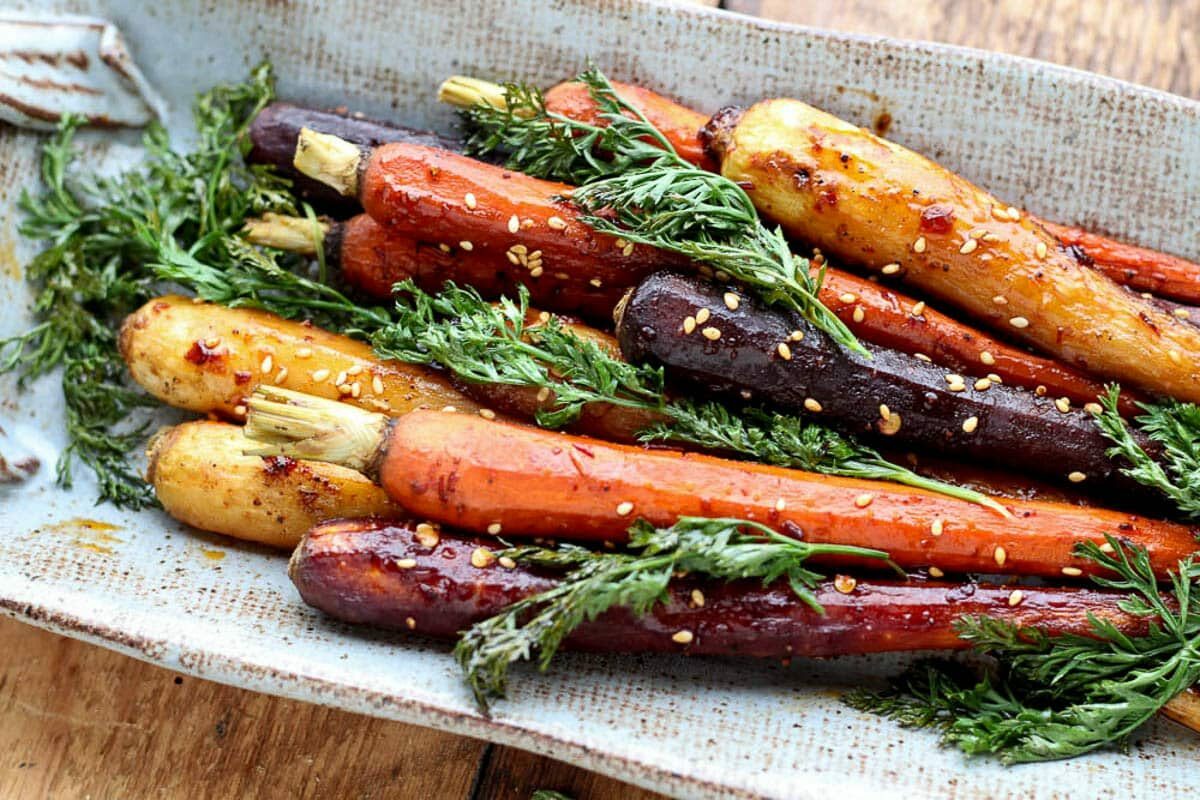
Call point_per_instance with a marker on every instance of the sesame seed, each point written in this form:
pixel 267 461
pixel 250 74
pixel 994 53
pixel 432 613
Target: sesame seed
pixel 796 336
pixel 994 378
pixel 1175 356
pixel 987 358
pixel 514 224
pixel 970 424
pixel 697 598
pixel 784 351
pixel 859 315
pixel 1182 313
pixel 844 584
pixel 1000 555
pixel 512 258
pixel 1077 477
pixel 494 529
pixel 702 316
pixel 449 409
pixel 722 275
pixel 445 248
pixel 1063 404
pixel 341 378
pixel 1019 322
pixel 557 223
pixel 266 364
pixel 377 384
pixel 469 201
pixel 812 405
pixel 689 324
pixel 890 269
pixel 427 535
pixel 711 333
pixel 954 378
pixel 239 411
pixel 918 308
pixel 968 247
pixel 212 342
pixel 848 297
pixel 482 557
pixel 355 389
pixel 863 500
pixel 624 509
pixel 406 563
pixel 1072 572
pixel 536 272
pixel 1014 213
pixel 919 245
pixel 281 376
pixel 1015 598
pixel 543 394
pixel 619 244
pixel 1093 408
pixel 507 562
pixel 487 413
pixel 1000 300
pixel 731 301
pixel 891 425
pixel 934 572
pixel 977 233
pixel 999 213
pixel 536 255
pixel 982 385
pixel 320 375
pixel 1040 390
pixel 596 282
pixel 343 388
pixel 1107 548
pixel 780 504
pixel 411 623
pixel 304 352
pixel 1041 249
pixel 627 250
pixel 938 527
pixel 1147 296
pixel 989 237
pixel 682 637
pixel 355 370
pixel 885 413
pixel 526 224
pixel 466 245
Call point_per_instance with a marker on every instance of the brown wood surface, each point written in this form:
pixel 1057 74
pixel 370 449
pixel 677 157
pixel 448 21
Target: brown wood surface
pixel 79 721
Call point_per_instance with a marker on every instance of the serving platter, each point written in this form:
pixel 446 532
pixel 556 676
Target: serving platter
pixel 1071 146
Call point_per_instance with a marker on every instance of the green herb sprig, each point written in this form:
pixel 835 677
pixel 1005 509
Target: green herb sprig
pixel 105 236
pixel 723 549
pixel 636 186
pixel 484 343
pixel 172 223
pixel 1170 423
pixel 1058 697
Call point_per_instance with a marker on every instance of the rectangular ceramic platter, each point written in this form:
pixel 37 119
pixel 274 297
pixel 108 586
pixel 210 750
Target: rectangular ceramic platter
pixel 1071 146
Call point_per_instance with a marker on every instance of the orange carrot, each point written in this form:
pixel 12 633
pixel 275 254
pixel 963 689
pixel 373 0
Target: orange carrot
pixel 497 477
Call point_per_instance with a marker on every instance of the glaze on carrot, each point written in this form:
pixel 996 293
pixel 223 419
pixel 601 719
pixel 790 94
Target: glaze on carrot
pixel 496 477
pixel 389 574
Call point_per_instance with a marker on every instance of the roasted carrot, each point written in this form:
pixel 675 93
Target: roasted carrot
pixel 866 200
pixel 438 196
pixel 679 124
pixel 202 479
pixel 1136 267
pixel 208 358
pixel 480 476
pixel 391 575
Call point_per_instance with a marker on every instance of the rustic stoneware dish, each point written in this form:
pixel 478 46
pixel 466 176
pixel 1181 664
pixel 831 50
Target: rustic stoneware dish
pixel 1071 146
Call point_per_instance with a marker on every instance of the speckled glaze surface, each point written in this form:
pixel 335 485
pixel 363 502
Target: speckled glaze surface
pixel 1067 145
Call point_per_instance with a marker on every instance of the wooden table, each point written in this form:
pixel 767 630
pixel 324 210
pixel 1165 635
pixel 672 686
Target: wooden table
pixel 76 720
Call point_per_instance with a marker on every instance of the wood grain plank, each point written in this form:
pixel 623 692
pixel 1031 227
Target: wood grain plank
pixel 80 721
pixel 511 774
pixel 1153 42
